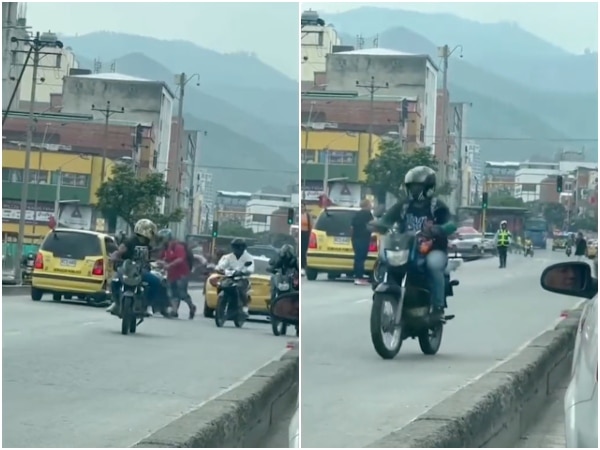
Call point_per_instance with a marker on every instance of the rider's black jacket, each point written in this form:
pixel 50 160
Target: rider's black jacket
pixel 284 264
pixel 580 247
pixel 414 215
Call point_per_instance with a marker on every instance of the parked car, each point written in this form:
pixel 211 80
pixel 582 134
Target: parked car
pixel 592 249
pixel 581 398
pixel 267 251
pixel 488 243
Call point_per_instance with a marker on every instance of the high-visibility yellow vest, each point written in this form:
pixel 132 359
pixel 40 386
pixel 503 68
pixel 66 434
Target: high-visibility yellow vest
pixel 503 236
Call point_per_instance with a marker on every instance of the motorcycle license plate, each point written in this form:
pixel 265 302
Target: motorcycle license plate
pixel 29 263
pixel 283 286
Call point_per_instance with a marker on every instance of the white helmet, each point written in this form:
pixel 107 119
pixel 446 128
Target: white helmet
pixel 504 222
pixel 145 228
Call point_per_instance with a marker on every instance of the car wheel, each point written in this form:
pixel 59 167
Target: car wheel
pixel 311 274
pixel 56 297
pixel 36 294
pixel 331 276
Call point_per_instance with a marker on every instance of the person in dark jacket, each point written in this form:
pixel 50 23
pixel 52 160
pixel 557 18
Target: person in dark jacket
pixel 286 261
pixel 361 239
pixel 580 246
pixel 422 211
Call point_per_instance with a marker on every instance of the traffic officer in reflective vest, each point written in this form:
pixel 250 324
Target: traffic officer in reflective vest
pixel 502 240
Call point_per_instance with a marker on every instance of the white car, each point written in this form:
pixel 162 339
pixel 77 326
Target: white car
pixel 581 398
pixel 468 244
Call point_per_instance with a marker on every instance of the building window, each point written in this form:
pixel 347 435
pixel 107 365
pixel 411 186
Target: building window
pixel 309 156
pixel 36 176
pixel 12 175
pixel 338 157
pixel 78 180
pixel 528 187
pixel 259 218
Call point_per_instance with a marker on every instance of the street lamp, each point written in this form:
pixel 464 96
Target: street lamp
pixel 59 184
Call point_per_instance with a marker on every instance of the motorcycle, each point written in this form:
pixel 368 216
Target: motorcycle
pixel 568 250
pixel 401 305
pixel 27 272
pixel 286 309
pixel 284 284
pixel 133 309
pixel 229 304
pixel 163 305
pixel 528 251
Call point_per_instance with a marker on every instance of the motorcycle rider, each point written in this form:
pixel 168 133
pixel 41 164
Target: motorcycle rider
pixel 136 247
pixel 580 246
pixel 502 239
pixel 421 207
pixel 174 258
pixel 285 260
pixel 236 260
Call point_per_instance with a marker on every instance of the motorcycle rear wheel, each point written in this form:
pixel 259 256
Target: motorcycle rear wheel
pixel 240 317
pixel 384 349
pixel 279 328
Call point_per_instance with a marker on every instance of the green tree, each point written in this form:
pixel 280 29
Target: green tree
pixel 505 199
pixel 235 229
pixel 385 173
pixel 585 223
pixel 132 198
pixel 555 214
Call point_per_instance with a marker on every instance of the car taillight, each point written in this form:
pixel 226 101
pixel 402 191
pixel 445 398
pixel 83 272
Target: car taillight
pixel 312 243
pixel 98 267
pixel 39 261
pixel 373 245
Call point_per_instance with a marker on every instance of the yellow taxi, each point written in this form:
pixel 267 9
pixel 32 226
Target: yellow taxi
pixel 73 263
pixel 260 290
pixel 330 247
pixel 592 249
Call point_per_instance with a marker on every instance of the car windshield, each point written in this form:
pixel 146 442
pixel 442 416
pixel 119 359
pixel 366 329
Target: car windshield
pixel 335 222
pixel 71 244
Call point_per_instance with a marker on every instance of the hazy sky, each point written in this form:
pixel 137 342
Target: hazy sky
pixel 271 30
pixel 572 26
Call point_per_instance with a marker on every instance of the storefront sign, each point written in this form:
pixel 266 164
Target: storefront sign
pixel 11 212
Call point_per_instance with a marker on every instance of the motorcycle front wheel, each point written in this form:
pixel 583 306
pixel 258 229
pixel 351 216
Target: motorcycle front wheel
pixel 221 311
pixel 240 317
pixel 386 335
pixel 127 315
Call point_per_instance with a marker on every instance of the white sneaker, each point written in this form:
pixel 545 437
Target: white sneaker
pixel 303 272
pixel 245 309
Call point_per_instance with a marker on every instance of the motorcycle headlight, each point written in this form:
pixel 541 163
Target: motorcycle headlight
pixel 396 257
pixel 283 286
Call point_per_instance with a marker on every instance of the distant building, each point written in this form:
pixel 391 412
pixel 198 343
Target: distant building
pixel 13 25
pixel 144 101
pixel 500 176
pixel 231 207
pixel 417 79
pixel 318 40
pixel 261 208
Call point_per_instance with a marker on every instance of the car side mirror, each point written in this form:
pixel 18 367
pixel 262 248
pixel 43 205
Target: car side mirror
pixel 570 278
pixel 247 263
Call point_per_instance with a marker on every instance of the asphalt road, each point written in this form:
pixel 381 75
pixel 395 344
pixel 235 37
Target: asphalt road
pixel 549 430
pixel 70 379
pixel 351 397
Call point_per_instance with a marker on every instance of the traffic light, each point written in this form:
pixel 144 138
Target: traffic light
pixel 559 184
pixel 215 230
pixel 291 214
pixel 484 200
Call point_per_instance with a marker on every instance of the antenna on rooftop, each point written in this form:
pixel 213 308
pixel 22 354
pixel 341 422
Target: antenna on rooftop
pixel 113 66
pixel 97 66
pixel 360 41
pixel 376 41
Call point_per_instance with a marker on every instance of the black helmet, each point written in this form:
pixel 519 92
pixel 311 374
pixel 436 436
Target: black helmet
pixel 287 252
pixel 238 244
pixel 420 183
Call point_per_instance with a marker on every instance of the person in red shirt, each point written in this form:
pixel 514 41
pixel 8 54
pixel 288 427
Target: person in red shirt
pixel 178 270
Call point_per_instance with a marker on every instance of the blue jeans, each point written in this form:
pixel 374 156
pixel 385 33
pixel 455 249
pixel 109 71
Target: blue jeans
pixel 152 290
pixel 361 251
pixel 436 262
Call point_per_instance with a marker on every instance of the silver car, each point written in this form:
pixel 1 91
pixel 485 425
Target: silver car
pixel 581 398
pixel 468 244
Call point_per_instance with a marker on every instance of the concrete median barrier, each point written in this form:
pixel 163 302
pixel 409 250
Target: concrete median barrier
pixel 239 418
pixel 496 409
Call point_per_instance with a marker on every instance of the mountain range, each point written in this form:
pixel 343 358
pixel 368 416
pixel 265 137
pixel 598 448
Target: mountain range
pixel 248 109
pixel 529 97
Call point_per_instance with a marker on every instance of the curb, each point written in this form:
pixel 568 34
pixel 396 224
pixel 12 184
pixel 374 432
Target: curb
pixel 14 290
pixel 496 409
pixel 239 418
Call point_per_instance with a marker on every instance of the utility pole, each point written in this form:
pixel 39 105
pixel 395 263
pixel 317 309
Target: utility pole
pixel 181 81
pixel 372 88
pixel 36 44
pixel 107 113
pixel 307 128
